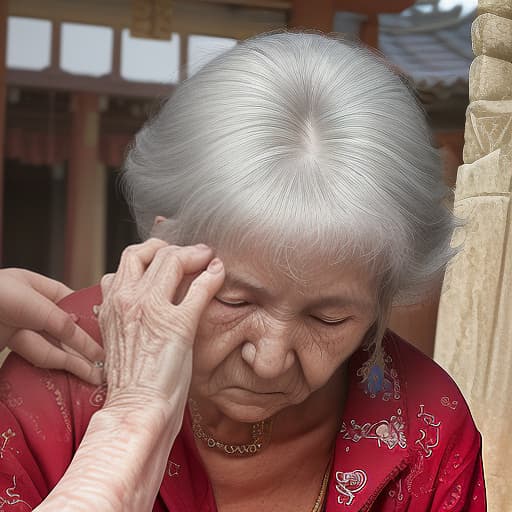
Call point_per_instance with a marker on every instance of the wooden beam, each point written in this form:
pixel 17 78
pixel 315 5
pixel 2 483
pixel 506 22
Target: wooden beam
pixel 3 85
pixel 373 6
pixel 189 16
pixel 318 15
pixel 263 4
pixel 104 85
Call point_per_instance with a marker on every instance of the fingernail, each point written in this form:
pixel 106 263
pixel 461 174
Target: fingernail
pixel 215 266
pixel 202 247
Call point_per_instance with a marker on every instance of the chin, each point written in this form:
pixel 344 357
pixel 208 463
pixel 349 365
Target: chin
pixel 248 412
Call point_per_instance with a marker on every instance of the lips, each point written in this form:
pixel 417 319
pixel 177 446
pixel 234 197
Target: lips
pixel 255 391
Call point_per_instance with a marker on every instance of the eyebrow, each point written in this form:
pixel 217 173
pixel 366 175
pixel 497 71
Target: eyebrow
pixel 343 301
pixel 238 282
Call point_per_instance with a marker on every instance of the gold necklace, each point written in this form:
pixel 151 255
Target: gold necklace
pixel 323 489
pixel 261 432
pixel 260 435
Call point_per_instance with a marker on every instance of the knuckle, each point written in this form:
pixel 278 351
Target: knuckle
pixel 67 328
pixel 172 258
pixel 47 361
pixel 169 249
pixel 122 300
pixel 106 279
pixel 155 241
pixel 130 251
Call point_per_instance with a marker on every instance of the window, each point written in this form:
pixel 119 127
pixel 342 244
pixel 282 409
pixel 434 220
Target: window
pixel 86 49
pixel 150 60
pixel 28 43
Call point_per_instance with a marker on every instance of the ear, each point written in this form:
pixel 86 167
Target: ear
pixel 158 220
pixel 163 228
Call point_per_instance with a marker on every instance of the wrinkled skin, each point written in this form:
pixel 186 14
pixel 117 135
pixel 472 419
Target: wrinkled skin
pixel 148 343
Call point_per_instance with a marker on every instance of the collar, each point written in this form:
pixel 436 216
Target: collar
pixel 371 447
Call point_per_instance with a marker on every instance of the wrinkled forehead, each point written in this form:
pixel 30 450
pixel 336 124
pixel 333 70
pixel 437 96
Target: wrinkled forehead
pixel 305 273
pixel 293 253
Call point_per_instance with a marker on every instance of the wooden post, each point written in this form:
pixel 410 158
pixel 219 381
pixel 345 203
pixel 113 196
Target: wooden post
pixel 183 71
pixel 369 31
pixel 86 208
pixel 318 15
pixel 3 48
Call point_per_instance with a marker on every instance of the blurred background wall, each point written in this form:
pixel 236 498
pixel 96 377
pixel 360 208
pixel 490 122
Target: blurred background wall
pixel 79 78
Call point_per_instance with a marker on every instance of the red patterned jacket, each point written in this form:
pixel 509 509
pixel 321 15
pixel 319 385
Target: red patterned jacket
pixel 407 440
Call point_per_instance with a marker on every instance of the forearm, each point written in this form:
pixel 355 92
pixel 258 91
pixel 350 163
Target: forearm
pixel 120 462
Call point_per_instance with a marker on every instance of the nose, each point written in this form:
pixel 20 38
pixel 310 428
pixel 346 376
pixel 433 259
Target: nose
pixel 270 356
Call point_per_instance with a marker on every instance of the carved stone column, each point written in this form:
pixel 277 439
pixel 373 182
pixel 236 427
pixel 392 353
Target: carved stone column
pixel 474 330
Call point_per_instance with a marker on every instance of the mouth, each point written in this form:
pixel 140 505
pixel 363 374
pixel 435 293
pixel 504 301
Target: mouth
pixel 240 389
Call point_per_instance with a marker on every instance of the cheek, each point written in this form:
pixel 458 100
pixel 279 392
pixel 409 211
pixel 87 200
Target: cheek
pixel 324 352
pixel 219 334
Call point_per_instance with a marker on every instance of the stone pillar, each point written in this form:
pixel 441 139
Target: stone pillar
pixel 474 331
pixel 86 207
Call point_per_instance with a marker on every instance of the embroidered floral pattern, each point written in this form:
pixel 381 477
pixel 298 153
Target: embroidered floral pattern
pixel 453 498
pixel 7 397
pixel 388 432
pixel 173 469
pixel 396 491
pixel 10 497
pixel 348 484
pixel 381 381
pixel 446 402
pixel 429 434
pixel 98 396
pixel 5 438
pixel 59 399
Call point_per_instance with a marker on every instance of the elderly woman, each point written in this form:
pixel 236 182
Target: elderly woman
pixel 255 373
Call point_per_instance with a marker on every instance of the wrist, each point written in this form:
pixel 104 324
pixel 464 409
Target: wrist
pixel 119 464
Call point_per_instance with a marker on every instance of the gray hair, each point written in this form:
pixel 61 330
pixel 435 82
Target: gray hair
pixel 306 145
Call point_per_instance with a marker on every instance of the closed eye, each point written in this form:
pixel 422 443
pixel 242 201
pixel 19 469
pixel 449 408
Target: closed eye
pixel 232 303
pixel 331 321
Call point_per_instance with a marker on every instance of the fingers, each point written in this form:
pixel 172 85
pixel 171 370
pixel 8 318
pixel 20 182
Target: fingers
pixel 203 289
pixel 32 310
pixel 53 290
pixel 60 326
pixel 36 349
pixel 170 264
pixel 106 284
pixel 136 258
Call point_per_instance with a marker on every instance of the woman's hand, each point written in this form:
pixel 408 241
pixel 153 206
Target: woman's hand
pixel 148 319
pixel 149 316
pixel 32 325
